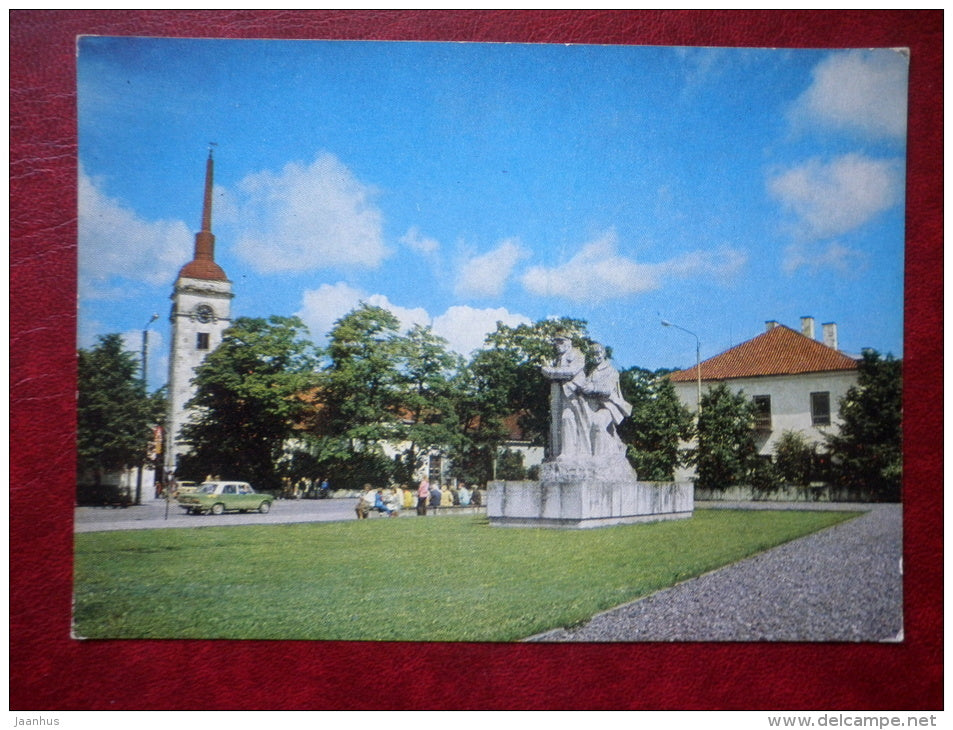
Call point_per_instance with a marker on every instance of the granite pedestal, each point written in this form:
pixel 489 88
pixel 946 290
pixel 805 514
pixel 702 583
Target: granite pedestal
pixel 579 494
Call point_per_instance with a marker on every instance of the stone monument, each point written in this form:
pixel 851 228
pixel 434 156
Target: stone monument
pixel 586 480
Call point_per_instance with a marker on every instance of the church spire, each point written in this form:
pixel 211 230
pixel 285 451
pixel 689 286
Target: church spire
pixel 207 205
pixel 205 239
pixel 202 265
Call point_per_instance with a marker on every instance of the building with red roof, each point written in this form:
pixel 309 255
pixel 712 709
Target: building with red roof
pixel 795 380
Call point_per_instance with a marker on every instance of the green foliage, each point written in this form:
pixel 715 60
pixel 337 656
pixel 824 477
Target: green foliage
pixel 726 453
pixel 358 389
pixel 794 458
pixel 509 466
pixel 248 401
pixel 428 393
pixel 115 415
pixel 658 423
pixel 350 580
pixel 379 386
pixel 866 452
pixel 763 476
pixel 520 352
pixel 503 381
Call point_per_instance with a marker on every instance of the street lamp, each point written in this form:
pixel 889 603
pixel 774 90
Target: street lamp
pixel 698 358
pixel 145 355
pixel 145 345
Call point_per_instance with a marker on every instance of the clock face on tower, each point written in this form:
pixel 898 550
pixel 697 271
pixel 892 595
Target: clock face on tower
pixel 204 313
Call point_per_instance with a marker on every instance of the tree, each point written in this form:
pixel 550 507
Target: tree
pixel 359 387
pixel 866 451
pixel 482 392
pixel 659 422
pixel 794 458
pixel 501 382
pixel 115 414
pixel 726 453
pixel 358 399
pixel 248 401
pixel 427 396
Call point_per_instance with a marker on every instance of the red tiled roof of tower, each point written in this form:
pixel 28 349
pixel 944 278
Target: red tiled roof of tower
pixel 203 269
pixel 779 351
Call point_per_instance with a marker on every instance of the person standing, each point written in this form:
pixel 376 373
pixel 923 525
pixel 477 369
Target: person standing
pixel 435 496
pixel 423 494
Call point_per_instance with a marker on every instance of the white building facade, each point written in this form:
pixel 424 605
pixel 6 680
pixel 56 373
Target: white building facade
pixel 795 382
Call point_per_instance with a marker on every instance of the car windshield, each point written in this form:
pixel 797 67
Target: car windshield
pixel 207 489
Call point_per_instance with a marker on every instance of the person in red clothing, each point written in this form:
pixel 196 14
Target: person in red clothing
pixel 423 494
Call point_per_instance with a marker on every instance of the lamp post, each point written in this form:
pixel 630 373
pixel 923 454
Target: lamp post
pixel 698 358
pixel 145 355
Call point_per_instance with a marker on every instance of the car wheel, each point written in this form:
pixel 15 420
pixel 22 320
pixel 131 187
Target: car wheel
pixel 217 509
pixel 188 510
pixel 264 507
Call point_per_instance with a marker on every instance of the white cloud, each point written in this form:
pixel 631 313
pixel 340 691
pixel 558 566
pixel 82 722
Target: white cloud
pixel 465 327
pixel 416 241
pixel 859 91
pixel 830 199
pixel 115 242
pixel 323 306
pixel 486 275
pixel 598 273
pixel 827 255
pixel 308 217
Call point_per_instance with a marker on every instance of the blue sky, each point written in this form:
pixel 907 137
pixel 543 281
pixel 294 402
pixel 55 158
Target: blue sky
pixel 461 184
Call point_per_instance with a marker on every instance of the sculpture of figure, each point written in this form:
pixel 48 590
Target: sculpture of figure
pixel 607 407
pixel 569 425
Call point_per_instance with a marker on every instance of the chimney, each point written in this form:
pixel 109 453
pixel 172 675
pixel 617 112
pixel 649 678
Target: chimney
pixel 807 327
pixel 830 335
pixel 770 325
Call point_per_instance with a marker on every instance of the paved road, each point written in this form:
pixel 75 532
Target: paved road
pixel 844 583
pixel 152 514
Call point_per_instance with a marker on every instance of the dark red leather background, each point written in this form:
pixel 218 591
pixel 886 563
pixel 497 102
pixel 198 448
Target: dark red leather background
pixel 50 671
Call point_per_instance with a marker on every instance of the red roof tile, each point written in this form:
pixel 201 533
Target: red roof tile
pixel 779 351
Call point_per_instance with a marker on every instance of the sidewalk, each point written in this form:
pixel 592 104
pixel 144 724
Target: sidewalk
pixel 844 583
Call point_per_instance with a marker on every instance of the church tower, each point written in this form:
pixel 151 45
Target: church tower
pixel 201 311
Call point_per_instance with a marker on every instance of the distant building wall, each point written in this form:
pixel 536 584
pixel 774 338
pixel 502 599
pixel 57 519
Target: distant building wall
pixel 794 404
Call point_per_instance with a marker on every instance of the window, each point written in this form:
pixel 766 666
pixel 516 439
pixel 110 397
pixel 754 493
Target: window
pixel 821 409
pixel 435 470
pixel 201 341
pixel 762 412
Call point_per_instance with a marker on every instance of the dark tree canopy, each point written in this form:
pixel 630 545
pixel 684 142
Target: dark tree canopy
pixel 115 415
pixel 659 422
pixel 866 451
pixel 248 401
pixel 725 454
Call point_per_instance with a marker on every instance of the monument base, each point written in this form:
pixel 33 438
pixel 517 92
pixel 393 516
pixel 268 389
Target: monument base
pixel 579 494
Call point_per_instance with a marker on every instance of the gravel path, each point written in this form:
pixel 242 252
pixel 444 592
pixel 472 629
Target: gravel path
pixel 841 584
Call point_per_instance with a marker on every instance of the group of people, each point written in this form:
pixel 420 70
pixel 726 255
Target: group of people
pixel 433 496
pixel 390 501
pixel 372 500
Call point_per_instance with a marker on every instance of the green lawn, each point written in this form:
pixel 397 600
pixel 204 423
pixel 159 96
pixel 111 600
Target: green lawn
pixel 440 579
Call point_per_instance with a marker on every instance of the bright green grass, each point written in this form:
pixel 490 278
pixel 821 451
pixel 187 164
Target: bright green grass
pixel 439 579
